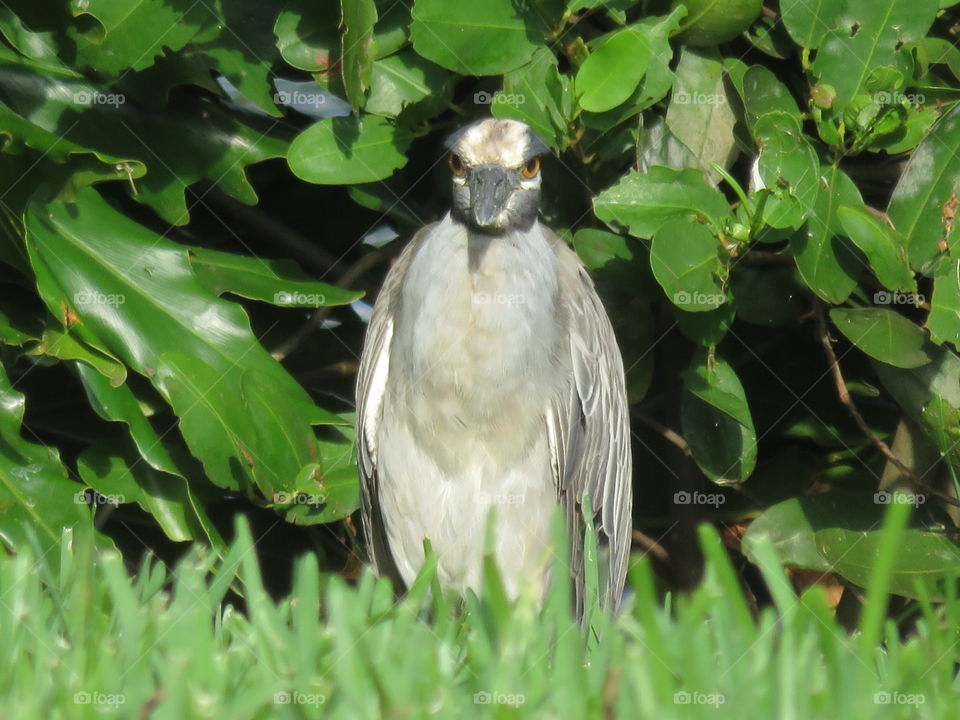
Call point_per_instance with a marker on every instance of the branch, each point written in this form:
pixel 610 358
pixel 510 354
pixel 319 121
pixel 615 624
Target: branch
pixel 845 399
pixel 349 277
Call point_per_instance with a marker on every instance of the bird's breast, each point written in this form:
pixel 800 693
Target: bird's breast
pixel 478 338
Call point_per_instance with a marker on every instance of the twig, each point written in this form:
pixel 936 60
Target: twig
pixel 651 546
pixel 845 399
pixel 671 435
pixel 349 277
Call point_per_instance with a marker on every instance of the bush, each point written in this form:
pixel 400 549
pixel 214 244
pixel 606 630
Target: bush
pixel 767 197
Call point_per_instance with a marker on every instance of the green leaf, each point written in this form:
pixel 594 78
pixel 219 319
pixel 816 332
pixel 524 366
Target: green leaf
pixel 538 92
pixel 788 167
pixel 871 35
pixel 840 532
pixel 241 413
pixel 716 420
pixel 330 488
pixel 613 69
pixel 943 322
pixel 809 21
pixel 597 247
pixel 308 36
pixel 474 38
pixel 684 257
pixel 927 189
pixel 882 334
pixel 346 150
pixel 60 344
pixel 712 22
pixel 197 139
pixel 34 487
pixel 825 262
pixel 763 93
pixel 274 281
pixel 699 114
pixel 884 248
pixel 121 477
pixel 405 79
pixel 930 396
pixel 119 403
pixel 359 17
pixel 643 202
pixel 125 32
pixel 242 51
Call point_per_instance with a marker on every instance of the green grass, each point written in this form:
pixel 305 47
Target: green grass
pixel 82 638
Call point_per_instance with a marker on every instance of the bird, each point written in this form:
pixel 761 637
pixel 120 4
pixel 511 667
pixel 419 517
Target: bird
pixel 491 390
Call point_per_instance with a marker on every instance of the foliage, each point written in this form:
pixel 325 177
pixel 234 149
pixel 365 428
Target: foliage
pixel 90 641
pixel 752 186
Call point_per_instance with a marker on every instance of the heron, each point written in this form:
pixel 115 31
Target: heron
pixel 491 391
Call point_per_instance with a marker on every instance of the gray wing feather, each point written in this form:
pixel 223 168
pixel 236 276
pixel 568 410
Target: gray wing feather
pixel 371 385
pixel 590 433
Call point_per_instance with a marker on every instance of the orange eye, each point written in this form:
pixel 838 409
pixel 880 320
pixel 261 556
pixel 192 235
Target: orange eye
pixel 531 169
pixel 456 165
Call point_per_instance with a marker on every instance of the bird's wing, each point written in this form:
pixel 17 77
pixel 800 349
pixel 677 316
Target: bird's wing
pixel 371 386
pixel 589 432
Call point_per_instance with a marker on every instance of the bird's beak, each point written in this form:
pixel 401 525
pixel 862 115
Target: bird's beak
pixel 490 188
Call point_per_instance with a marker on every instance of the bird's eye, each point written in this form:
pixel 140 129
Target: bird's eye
pixel 456 165
pixel 531 168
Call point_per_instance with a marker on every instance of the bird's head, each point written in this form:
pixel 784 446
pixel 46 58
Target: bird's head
pixel 496 175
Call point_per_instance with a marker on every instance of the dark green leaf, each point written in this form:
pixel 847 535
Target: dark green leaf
pixel 474 38
pixel 808 21
pixel 685 260
pixel 613 69
pixel 882 334
pixel 930 396
pixel 884 248
pixel 34 487
pixel 943 322
pixel 927 190
pixel 840 532
pixel 273 281
pixel 699 114
pixel 643 202
pixel 716 420
pixel 346 150
pixel 826 264
pixel 788 166
pixel 240 412
pixel 359 17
